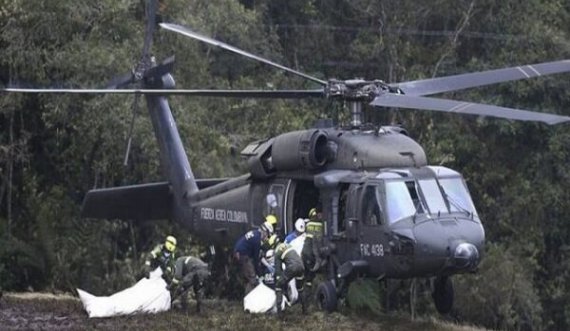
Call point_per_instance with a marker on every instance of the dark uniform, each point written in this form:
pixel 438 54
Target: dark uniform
pixel 286 254
pixel 246 254
pixel 311 249
pixel 189 272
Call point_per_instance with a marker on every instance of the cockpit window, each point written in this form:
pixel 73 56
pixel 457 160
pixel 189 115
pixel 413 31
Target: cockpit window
pixel 457 195
pixel 400 202
pixel 433 196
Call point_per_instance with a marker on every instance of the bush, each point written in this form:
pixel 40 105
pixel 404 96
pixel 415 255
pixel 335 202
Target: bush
pixel 501 295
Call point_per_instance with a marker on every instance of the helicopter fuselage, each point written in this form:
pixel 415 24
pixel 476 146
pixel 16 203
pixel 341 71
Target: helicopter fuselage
pixel 387 213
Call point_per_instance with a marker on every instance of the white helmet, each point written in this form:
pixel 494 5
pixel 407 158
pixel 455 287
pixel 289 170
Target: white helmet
pixel 300 225
pixel 266 227
pixel 270 257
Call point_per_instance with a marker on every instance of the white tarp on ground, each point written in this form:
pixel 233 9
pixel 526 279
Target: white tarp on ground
pixel 146 296
pixel 262 300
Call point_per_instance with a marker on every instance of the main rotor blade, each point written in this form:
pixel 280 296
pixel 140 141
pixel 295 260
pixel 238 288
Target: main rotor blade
pixel 460 107
pixel 463 81
pixel 270 94
pixel 189 33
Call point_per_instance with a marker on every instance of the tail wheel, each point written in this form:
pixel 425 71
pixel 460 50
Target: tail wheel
pixel 443 294
pixel 326 296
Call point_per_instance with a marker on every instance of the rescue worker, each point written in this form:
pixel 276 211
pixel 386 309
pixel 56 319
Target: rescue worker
pixel 163 256
pixel 246 254
pixel 189 272
pixel 311 249
pixel 286 255
pixel 299 231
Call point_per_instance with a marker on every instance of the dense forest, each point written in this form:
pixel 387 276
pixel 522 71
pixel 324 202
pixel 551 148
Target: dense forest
pixel 54 148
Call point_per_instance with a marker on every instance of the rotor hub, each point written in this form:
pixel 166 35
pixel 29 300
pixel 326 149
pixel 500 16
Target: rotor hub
pixel 355 89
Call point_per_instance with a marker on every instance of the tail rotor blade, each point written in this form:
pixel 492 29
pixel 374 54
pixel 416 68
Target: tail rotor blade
pixel 120 81
pixel 131 127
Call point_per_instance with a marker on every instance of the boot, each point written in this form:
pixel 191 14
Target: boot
pixel 303 304
pixel 308 292
pixel 279 301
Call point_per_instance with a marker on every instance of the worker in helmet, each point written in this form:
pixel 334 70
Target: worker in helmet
pixel 163 256
pixel 286 255
pixel 189 272
pixel 297 232
pixel 246 254
pixel 312 259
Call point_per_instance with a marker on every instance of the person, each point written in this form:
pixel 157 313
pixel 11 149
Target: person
pixel 246 254
pixel 311 248
pixel 163 256
pixel 268 276
pixel 286 255
pixel 297 232
pixel 189 272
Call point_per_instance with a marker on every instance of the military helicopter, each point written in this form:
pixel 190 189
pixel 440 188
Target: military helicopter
pixel 388 213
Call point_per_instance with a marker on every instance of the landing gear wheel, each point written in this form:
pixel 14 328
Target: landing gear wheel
pixel 326 296
pixel 443 294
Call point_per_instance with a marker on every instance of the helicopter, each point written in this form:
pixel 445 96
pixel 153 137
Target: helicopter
pixel 388 214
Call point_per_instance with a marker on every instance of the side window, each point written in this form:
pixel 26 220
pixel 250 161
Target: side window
pixel 278 190
pixel 370 207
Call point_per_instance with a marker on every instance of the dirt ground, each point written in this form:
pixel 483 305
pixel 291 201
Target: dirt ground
pixel 41 311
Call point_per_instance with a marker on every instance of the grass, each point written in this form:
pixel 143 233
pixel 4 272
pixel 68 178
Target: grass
pixel 37 311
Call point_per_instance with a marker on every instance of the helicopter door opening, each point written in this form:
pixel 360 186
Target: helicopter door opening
pixel 306 196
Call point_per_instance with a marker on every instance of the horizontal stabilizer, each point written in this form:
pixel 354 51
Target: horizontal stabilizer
pixel 138 202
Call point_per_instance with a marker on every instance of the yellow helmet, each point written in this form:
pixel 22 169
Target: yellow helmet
pixel 313 213
pixel 271 219
pixel 170 243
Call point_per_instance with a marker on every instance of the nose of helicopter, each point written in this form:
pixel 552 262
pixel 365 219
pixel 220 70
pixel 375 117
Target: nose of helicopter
pixel 466 256
pixel 450 245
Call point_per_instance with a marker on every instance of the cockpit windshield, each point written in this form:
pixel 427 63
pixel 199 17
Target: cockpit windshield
pixel 457 195
pixel 432 194
pixel 409 197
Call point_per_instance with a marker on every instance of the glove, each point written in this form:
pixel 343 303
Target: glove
pixel 147 274
pixel 271 269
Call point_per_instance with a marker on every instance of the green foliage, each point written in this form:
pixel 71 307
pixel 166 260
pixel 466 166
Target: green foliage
pixel 501 295
pixel 364 295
